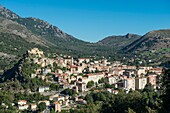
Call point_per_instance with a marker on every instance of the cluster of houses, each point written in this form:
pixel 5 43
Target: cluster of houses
pixel 76 73
pixel 23 105
pixel 56 101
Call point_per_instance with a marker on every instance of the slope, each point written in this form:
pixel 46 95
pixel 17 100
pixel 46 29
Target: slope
pixel 152 41
pixel 119 41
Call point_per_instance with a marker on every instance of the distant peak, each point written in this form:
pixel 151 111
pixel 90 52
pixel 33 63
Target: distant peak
pixel 130 35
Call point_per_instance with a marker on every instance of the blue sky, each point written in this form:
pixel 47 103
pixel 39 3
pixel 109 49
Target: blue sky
pixel 93 20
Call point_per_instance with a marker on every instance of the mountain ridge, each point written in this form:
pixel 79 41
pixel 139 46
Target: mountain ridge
pixel 27 33
pixel 120 40
pixel 151 40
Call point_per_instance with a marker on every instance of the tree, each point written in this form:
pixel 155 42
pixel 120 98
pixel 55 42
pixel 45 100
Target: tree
pixel 102 80
pixel 90 84
pixel 148 88
pixel 166 95
pixel 54 87
pixel 68 91
pixel 109 86
pixel 42 106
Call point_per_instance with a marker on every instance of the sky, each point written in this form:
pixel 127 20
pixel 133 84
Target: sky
pixel 93 20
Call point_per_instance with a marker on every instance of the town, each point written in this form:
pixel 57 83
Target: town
pixel 76 78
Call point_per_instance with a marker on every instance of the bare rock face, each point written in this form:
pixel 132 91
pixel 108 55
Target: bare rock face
pixel 7 13
pixel 46 27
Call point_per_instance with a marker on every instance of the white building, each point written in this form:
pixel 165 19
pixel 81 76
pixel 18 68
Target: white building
pixel 22 102
pixel 129 83
pixel 23 107
pixel 95 77
pixel 111 80
pixel 140 82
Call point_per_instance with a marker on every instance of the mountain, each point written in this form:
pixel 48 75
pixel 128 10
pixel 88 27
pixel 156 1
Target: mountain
pixel 151 41
pixel 19 34
pixel 119 41
pixel 7 13
pixel 55 38
pixel 154 46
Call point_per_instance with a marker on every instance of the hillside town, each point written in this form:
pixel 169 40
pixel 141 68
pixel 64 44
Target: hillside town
pixel 81 76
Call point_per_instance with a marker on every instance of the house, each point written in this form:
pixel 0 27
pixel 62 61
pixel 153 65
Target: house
pixel 23 107
pixel 109 90
pixel 152 79
pixel 73 68
pixel 33 107
pixel 61 98
pixel 81 86
pixel 141 71
pixel 111 80
pixel 129 83
pixel 83 60
pixel 33 75
pixel 22 102
pixel 104 68
pixel 46 71
pixel 53 96
pixel 43 88
pixel 95 77
pixel 115 92
pixel 36 51
pixel 117 71
pixel 140 82
pixel 46 88
pixel 156 70
pixel 57 107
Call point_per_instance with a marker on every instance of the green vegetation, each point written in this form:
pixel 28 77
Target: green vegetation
pixel 90 84
pixel 69 92
pixel 102 80
pixel 141 101
pixel 166 91
pixel 41 106
pixel 17 79
pixel 8 98
pixel 54 87
pixel 119 41
pixel 105 102
pixel 14 46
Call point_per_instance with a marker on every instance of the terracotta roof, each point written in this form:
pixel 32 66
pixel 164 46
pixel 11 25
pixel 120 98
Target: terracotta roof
pixel 73 66
pixel 22 101
pixel 156 69
pixel 56 102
